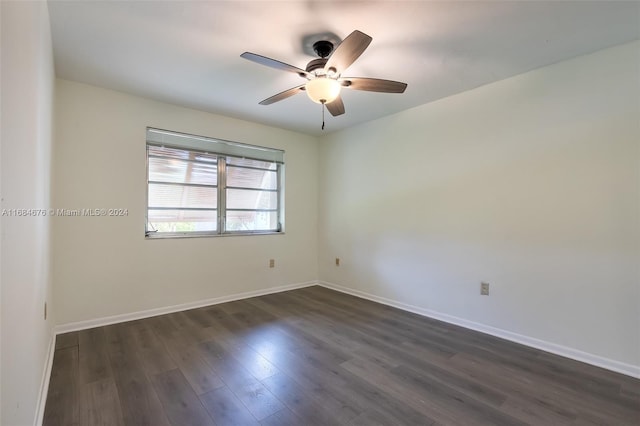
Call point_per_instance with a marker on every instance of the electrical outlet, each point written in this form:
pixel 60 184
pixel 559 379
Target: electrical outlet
pixel 484 289
pixel 45 310
pixel 337 261
pixel 272 263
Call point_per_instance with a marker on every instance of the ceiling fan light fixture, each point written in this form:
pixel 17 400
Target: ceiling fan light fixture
pixel 324 74
pixel 323 90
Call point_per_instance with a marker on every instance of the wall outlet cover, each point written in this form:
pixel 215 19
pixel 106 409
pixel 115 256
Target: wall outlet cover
pixel 484 289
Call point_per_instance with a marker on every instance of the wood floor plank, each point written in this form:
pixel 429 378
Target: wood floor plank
pixel 306 342
pixel 530 399
pixel 630 391
pixel 255 363
pixel 180 402
pixel 153 353
pixel 545 392
pixel 520 359
pixel 317 356
pixel 369 419
pixel 66 340
pixel 144 338
pixel 93 359
pixel 251 360
pixel 362 315
pixel 473 388
pixel 375 337
pixel 306 373
pixel 216 312
pixel 422 400
pixel 62 407
pixel 232 373
pixel 365 323
pixel 284 417
pixel 331 333
pixel 463 405
pixel 258 400
pixel 157 361
pixel 138 400
pixel 99 404
pixel 162 326
pixel 196 334
pixel 537 412
pixel 299 402
pixel 334 389
pixel 225 408
pixel 199 374
pixel 199 317
pixel 180 320
pixel 119 340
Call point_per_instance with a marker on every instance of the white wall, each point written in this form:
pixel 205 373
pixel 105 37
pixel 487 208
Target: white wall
pixel 531 184
pixel 27 97
pixel 103 266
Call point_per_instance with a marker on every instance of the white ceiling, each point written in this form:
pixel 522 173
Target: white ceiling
pixel 188 52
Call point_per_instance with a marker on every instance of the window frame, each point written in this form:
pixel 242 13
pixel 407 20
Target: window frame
pixel 221 186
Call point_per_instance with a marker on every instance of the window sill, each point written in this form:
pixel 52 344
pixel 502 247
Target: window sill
pixel 166 235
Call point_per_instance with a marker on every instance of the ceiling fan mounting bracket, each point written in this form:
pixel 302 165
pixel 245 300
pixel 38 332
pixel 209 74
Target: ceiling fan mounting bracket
pixel 323 48
pixel 309 40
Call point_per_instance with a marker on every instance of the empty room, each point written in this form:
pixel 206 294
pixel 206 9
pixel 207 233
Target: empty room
pixel 319 213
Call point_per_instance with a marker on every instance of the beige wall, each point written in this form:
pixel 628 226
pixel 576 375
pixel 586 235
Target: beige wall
pixel 25 152
pixel 531 184
pixel 104 266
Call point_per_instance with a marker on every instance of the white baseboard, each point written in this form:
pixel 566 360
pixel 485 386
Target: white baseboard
pixel 44 384
pixel 598 361
pixel 99 322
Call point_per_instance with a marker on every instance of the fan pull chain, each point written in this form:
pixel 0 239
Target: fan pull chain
pixel 322 116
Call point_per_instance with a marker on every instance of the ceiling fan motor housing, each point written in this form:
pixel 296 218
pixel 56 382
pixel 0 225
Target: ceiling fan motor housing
pixel 316 64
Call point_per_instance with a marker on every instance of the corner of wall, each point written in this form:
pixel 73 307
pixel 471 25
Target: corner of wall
pixel 25 175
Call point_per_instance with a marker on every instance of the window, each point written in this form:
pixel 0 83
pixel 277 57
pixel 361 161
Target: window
pixel 199 186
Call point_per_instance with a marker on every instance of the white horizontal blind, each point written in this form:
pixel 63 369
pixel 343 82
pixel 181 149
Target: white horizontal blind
pixel 218 146
pixel 182 190
pixel 251 195
pixel 195 190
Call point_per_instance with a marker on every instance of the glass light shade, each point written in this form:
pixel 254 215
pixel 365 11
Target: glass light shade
pixel 323 89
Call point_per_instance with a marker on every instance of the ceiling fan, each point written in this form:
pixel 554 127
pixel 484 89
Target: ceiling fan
pixel 324 75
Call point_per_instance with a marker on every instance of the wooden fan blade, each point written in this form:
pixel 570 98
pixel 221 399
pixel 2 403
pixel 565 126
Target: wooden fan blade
pixel 283 95
pixel 336 107
pixel 272 63
pixel 347 52
pixel 373 84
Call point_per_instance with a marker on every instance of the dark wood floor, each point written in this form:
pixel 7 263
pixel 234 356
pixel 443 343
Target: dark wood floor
pixel 317 357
